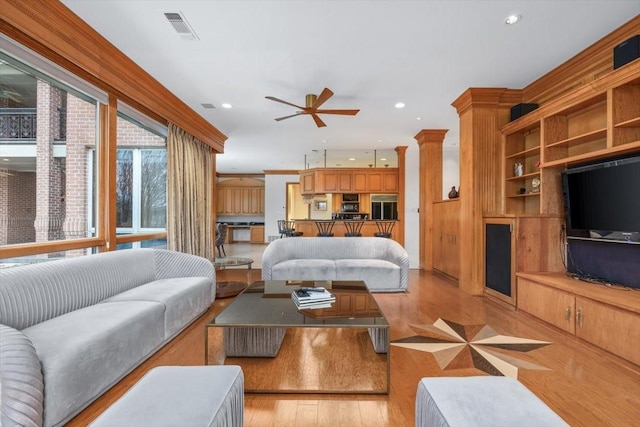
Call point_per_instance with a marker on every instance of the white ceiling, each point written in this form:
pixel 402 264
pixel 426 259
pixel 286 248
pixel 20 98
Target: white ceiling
pixel 372 54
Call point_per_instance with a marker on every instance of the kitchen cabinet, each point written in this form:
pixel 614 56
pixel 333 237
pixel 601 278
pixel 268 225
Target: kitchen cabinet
pixel 607 317
pixel 240 197
pixel 344 180
pixel 335 181
pixel 257 234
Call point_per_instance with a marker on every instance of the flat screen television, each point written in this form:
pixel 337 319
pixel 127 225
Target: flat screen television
pixel 602 200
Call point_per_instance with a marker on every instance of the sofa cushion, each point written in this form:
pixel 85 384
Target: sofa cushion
pixel 34 293
pixel 378 274
pixel 85 352
pixel 184 299
pixel 304 269
pixel 21 383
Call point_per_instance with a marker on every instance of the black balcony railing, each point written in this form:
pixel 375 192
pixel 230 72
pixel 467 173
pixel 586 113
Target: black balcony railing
pixel 18 123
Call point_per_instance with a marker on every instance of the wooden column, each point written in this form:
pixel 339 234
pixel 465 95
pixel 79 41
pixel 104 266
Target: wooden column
pixel 482 111
pixel 430 188
pixel 401 150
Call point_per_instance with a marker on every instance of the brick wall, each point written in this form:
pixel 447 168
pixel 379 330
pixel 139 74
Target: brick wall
pixel 51 203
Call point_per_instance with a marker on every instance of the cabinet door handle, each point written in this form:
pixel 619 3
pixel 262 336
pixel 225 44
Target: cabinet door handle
pixel 579 317
pixel 567 313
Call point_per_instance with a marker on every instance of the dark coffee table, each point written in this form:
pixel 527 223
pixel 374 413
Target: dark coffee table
pixel 340 349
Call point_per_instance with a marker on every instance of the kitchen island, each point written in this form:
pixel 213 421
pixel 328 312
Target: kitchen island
pixel 369 228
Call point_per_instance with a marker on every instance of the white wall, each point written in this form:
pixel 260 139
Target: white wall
pixel 450 170
pixel 411 205
pixel 275 202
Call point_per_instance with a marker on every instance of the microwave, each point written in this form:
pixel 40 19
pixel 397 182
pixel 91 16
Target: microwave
pixel 350 207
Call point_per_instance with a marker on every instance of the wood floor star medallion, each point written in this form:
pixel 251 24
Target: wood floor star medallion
pixel 456 346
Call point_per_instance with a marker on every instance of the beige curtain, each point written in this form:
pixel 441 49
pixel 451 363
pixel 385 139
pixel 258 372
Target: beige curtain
pixel 191 166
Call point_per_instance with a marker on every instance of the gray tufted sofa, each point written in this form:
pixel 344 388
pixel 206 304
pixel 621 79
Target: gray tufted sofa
pixel 71 329
pixel 383 264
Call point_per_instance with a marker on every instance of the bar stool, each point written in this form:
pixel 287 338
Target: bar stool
pixel 325 228
pixel 353 228
pixel 384 229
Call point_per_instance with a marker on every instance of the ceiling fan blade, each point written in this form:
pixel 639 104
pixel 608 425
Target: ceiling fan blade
pixel 288 117
pixel 284 102
pixel 318 121
pixel 326 94
pixel 343 112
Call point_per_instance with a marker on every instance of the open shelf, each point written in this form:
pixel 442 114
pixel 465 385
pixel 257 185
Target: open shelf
pixel 594 155
pixel 580 139
pixel 631 123
pixel 517 196
pixel 533 150
pixel 524 177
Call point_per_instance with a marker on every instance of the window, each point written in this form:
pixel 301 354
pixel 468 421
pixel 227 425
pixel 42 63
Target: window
pixel 47 134
pixel 141 178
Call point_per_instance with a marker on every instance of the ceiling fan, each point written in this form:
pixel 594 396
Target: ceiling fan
pixel 9 94
pixel 312 103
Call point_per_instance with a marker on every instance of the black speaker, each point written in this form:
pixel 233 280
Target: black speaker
pixel 520 110
pixel 626 51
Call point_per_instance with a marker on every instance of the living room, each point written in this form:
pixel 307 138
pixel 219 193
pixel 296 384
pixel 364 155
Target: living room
pixel 488 196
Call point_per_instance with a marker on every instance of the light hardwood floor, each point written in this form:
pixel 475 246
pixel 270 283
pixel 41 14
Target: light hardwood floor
pixel 584 385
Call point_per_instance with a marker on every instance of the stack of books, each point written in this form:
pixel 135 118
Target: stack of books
pixel 307 298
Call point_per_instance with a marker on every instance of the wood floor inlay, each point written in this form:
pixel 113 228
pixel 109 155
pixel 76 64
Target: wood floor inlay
pixel 457 346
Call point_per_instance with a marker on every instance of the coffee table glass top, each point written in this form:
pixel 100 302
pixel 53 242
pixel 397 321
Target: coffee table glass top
pixel 231 262
pixel 269 303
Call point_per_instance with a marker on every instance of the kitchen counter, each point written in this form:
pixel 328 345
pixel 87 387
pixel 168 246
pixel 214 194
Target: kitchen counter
pixel 308 227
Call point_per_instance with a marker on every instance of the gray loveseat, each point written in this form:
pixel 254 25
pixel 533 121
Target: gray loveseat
pixel 71 329
pixel 383 264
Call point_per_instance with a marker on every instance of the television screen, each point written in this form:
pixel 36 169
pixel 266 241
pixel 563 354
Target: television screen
pixel 602 200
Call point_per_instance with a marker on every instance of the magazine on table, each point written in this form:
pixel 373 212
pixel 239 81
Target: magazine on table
pixel 312 298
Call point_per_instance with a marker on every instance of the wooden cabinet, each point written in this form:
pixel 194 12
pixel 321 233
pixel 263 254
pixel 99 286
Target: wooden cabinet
pixel 383 181
pixel 240 197
pixel 225 201
pixel 446 251
pixel 334 181
pixel 307 182
pixel 359 180
pixel 343 180
pixel 607 317
pixel 594 121
pixel 257 234
pixel 549 304
pixel 519 243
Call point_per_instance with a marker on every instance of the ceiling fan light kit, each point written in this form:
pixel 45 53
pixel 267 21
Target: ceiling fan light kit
pixel 312 103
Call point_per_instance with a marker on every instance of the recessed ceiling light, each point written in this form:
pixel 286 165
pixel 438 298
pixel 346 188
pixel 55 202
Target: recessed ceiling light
pixel 400 105
pixel 383 158
pixel 226 105
pixel 352 158
pixel 512 19
pixel 418 118
pixel 324 140
pixel 379 140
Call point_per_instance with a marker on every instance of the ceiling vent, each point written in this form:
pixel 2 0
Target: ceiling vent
pixel 207 105
pixel 180 24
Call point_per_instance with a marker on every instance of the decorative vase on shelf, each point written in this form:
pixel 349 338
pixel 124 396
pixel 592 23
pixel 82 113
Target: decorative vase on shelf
pixel 518 169
pixel 453 194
